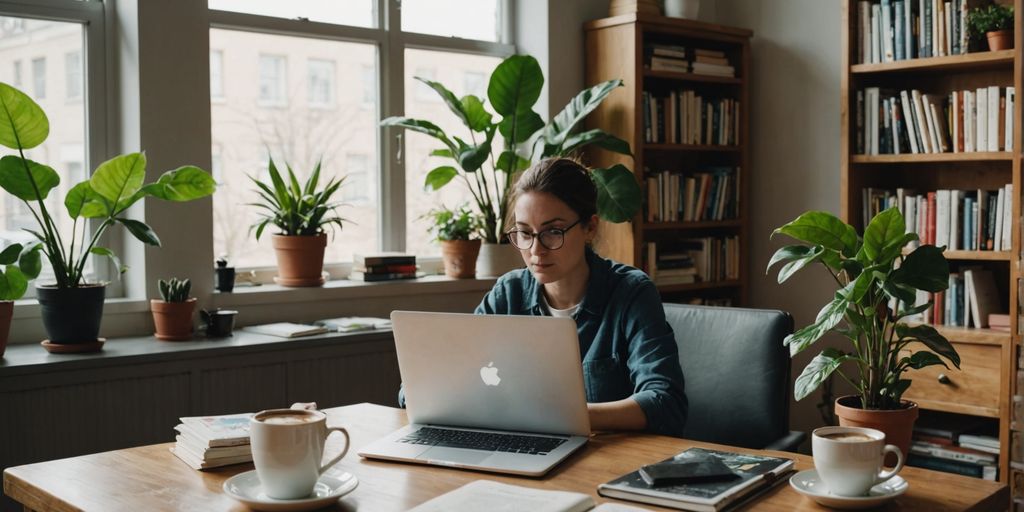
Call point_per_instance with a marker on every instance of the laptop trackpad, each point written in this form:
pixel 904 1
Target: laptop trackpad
pixel 454 455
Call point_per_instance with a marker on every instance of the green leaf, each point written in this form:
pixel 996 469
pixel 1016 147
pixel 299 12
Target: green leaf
pixel 478 118
pixel 23 124
pixel 924 269
pixel 597 137
pixel 817 371
pixel 140 231
pixel 895 248
pixel 853 268
pixel 510 163
pixel 446 153
pixel 922 359
pixel 618 195
pixel 556 132
pixel 31 260
pixel 898 291
pixel 895 391
pixel 887 227
pixel 471 158
pixel 10 254
pixel 794 266
pixel 824 229
pixel 450 99
pixel 931 338
pixel 440 177
pixel 83 201
pixel 787 253
pixel 182 184
pixel 103 251
pixel 861 286
pixel 421 126
pixel 828 317
pixel 515 85
pixel 525 125
pixel 915 310
pixel 15 179
pixel 119 178
pixel 13 283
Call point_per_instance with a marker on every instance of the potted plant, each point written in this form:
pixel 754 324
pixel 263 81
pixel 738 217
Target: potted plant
pixel 995 22
pixel 488 168
pixel 172 313
pixel 457 231
pixel 876 296
pixel 20 265
pixel 301 213
pixel 71 307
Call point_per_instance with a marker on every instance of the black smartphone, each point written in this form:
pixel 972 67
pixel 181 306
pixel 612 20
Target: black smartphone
pixel 710 469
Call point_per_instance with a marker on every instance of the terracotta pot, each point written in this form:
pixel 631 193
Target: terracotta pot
pixel 300 259
pixel 898 425
pixel 173 320
pixel 6 312
pixel 496 259
pixel 1000 40
pixel 460 258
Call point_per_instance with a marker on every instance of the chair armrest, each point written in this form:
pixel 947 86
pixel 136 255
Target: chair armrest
pixel 788 443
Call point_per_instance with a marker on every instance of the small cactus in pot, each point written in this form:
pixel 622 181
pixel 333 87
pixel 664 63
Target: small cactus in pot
pixel 172 313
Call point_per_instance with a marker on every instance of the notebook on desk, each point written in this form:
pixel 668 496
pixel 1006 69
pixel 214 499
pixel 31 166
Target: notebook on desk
pixel 490 392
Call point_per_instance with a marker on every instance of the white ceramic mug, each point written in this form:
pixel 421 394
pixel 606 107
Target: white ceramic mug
pixel 849 459
pixel 287 446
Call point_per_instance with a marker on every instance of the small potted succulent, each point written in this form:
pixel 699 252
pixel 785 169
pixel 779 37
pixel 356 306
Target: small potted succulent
pixel 995 22
pixel 172 313
pixel 20 265
pixel 458 232
pixel 301 213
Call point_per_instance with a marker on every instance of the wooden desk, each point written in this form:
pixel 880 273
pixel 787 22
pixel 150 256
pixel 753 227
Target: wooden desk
pixel 151 478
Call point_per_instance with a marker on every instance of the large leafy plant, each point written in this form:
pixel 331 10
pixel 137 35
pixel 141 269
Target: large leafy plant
pixel 488 167
pixel 114 186
pixel 877 293
pixel 21 264
pixel 297 209
pixel 458 224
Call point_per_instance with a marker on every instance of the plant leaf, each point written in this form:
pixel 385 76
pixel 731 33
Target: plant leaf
pixel 22 121
pixel 556 132
pixel 511 163
pixel 886 228
pixel 140 231
pixel 478 118
pixel 618 195
pixel 119 178
pixel 817 371
pixel 525 125
pixel 446 153
pixel 440 177
pixel 828 317
pixel 924 269
pixel 922 359
pixel 471 158
pixel 421 126
pixel 14 178
pixel 13 283
pixel 31 260
pixel 861 285
pixel 822 228
pixel 597 137
pixel 83 201
pixel 10 254
pixel 794 266
pixel 515 85
pixel 103 251
pixel 931 338
pixel 182 184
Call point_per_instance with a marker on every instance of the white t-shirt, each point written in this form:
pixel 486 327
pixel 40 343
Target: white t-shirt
pixel 560 313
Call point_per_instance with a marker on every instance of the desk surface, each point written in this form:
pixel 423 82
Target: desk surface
pixel 151 478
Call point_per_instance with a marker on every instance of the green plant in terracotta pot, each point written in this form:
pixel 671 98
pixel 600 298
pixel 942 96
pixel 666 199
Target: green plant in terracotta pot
pixel 21 264
pixel 877 288
pixel 458 232
pixel 172 312
pixel 995 23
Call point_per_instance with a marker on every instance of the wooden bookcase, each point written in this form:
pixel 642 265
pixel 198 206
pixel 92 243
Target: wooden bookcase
pixel 985 385
pixel 615 49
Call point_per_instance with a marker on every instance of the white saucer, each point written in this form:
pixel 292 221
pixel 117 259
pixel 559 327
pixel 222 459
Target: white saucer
pixel 809 484
pixel 245 487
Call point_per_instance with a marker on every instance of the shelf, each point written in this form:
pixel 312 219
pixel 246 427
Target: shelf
pixel 688 287
pixel 975 336
pixel 975 156
pixel 972 255
pixel 691 77
pixel 656 226
pixel 692 147
pixel 970 61
pixel 939 405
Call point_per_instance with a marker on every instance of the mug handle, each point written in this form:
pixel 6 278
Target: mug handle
pixel 344 432
pixel 884 475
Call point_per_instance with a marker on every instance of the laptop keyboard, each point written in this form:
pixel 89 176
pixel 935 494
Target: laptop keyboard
pixel 489 441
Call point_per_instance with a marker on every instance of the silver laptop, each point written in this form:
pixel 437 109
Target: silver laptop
pixel 490 392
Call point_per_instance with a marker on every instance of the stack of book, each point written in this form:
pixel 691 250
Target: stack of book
pixel 685 117
pixel 387 266
pixel 704 196
pixel 712 62
pixel 951 443
pixel 892 30
pixel 205 442
pixel 666 57
pixel 692 260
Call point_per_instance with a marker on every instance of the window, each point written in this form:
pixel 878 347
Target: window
pixel 320 80
pixel 16 79
pixel 369 81
pixel 424 94
pixel 273 79
pixel 357 175
pixel 73 72
pixel 360 13
pixel 449 18
pixel 216 74
pixel 475 83
pixel 39 78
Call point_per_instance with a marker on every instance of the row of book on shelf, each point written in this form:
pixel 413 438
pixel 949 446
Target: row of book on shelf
pixel 712 195
pixel 692 260
pixel 686 117
pixel 680 59
pixel 959 220
pixel 892 30
pixel 971 300
pixel 954 443
pixel 389 266
pixel 909 121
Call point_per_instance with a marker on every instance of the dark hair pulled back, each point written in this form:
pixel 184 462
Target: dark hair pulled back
pixel 564 178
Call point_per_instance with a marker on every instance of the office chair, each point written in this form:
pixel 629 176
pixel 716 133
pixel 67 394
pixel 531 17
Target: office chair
pixel 737 375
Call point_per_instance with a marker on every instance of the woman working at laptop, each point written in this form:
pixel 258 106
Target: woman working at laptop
pixel 630 359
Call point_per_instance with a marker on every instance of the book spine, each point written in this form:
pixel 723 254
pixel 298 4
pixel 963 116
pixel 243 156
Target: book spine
pixel 948 466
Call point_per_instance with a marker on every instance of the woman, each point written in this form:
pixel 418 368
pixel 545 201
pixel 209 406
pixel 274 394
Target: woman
pixel 630 359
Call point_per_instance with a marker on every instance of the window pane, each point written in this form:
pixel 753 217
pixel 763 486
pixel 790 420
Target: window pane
pixel 281 109
pixel 35 54
pixel 449 69
pixel 216 74
pixel 468 19
pixel 359 13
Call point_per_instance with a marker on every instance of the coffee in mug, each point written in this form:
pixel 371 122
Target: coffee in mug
pixel 287 446
pixel 849 459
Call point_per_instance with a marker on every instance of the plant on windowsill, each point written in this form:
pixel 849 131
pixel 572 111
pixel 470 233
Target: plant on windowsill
pixel 20 266
pixel 995 22
pixel 877 294
pixel 172 312
pixel 301 212
pixel 458 232
pixel 72 308
pixel 513 89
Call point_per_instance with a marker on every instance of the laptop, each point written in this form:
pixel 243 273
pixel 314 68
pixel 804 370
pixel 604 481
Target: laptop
pixel 495 393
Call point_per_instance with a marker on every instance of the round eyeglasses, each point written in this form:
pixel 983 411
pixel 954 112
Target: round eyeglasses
pixel 551 239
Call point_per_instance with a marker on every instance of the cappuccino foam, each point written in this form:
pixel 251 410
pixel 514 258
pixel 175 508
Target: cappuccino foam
pixel 848 437
pixel 288 419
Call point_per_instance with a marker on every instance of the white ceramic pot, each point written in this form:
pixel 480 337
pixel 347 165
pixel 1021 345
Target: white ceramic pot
pixel 496 259
pixel 682 8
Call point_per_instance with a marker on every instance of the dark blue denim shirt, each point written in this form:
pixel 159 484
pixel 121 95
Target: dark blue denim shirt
pixel 628 348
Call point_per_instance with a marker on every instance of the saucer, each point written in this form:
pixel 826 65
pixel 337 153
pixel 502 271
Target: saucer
pixel 245 487
pixel 809 484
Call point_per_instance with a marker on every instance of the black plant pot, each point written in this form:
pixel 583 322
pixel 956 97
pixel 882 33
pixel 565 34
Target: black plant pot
pixel 72 315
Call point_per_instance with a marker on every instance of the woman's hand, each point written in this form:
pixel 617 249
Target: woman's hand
pixel 623 414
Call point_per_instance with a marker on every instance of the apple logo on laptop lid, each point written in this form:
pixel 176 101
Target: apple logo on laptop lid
pixel 489 374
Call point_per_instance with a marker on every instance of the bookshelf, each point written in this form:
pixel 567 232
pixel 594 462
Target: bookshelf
pixel 622 47
pixel 985 385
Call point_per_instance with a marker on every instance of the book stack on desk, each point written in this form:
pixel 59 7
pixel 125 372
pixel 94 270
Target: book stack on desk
pixel 205 442
pixel 388 266
pixel 955 443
